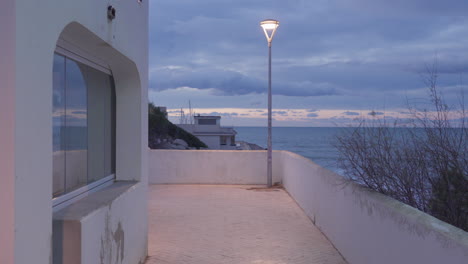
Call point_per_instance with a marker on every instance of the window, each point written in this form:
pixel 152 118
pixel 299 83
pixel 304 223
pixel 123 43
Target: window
pixel 207 121
pixel 83 120
pixel 223 140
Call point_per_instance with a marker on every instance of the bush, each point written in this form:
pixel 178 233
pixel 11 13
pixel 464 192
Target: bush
pixel 423 163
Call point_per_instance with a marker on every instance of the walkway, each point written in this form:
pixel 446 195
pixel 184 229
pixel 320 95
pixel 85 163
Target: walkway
pixel 221 224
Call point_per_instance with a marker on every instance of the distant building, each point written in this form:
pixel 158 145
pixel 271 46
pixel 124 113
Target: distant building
pixel 209 130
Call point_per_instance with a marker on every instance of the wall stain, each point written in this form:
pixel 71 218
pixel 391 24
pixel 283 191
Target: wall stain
pixel 119 239
pixel 112 243
pixel 106 242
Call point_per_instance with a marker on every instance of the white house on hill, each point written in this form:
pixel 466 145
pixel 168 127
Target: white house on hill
pixel 209 130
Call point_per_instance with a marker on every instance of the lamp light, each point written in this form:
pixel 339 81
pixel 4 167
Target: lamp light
pixel 269 28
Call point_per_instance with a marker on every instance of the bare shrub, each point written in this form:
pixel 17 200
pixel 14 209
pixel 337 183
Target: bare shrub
pixel 423 163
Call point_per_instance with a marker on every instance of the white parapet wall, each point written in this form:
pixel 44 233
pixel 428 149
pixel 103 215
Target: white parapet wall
pixel 211 167
pixel 366 227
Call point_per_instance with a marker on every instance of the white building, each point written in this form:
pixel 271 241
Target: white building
pixel 73 131
pixel 209 130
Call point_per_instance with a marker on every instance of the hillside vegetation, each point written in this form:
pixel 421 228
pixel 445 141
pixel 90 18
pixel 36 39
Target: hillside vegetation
pixel 161 130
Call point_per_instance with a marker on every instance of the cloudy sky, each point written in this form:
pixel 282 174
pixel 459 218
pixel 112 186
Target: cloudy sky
pixel 333 60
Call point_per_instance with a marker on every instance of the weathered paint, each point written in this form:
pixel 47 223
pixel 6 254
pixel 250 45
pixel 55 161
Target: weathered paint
pixel 105 222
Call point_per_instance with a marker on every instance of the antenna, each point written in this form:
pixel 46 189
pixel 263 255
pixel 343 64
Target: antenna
pixel 182 116
pixel 191 113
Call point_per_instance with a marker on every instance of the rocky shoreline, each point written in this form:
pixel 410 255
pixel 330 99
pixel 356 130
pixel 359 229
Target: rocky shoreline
pixel 242 145
pixel 182 145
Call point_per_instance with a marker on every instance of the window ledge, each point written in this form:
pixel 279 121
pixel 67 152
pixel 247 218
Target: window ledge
pixel 93 202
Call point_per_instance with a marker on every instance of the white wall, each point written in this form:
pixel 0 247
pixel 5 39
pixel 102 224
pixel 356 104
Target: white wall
pixel 103 227
pixel 206 128
pixel 119 225
pixel 366 227
pixel 213 142
pixel 210 167
pixel 7 130
pixel 30 30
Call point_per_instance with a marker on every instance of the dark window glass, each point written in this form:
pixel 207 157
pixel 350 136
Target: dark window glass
pixel 76 122
pixel 83 125
pixel 223 140
pixel 207 121
pixel 58 125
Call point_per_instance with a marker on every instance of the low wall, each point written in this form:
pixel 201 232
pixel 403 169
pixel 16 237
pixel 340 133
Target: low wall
pixel 108 226
pixel 366 227
pixel 211 167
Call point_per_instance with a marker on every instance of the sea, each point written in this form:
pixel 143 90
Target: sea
pixel 315 143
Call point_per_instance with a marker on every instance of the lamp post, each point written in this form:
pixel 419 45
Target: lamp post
pixel 269 28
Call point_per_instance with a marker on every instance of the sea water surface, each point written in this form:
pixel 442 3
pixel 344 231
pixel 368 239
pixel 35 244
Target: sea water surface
pixel 315 143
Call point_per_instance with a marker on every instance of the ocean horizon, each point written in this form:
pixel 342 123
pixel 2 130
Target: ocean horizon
pixel 315 143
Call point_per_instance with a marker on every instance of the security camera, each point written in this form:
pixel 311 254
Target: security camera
pixel 110 12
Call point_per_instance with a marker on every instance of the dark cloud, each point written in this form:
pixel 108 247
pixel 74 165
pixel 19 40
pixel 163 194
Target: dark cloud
pixel 225 81
pixel 228 82
pixel 282 113
pixel 374 113
pixel 366 51
pixel 312 115
pixel 222 114
pixel 349 113
pixel 276 113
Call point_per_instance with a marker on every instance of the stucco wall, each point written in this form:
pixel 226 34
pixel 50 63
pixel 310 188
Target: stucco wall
pixel 207 128
pixel 210 167
pixel 366 227
pixel 7 130
pixel 30 30
pixel 213 142
pixel 103 227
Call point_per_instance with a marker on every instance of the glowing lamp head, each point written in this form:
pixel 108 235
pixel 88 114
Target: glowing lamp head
pixel 269 27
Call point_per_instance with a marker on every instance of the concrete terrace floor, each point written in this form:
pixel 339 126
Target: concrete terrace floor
pixel 217 224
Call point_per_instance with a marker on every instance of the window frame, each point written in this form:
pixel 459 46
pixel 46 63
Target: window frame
pixel 72 52
pixel 207 121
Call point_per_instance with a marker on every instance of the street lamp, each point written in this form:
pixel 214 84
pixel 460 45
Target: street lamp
pixel 269 28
